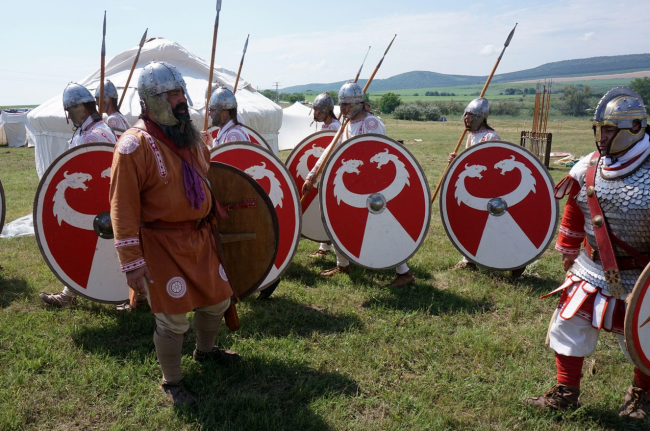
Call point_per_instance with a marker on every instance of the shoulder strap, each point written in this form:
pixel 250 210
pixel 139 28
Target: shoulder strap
pixel 601 231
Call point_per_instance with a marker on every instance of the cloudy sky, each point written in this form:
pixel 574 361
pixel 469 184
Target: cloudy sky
pixel 46 44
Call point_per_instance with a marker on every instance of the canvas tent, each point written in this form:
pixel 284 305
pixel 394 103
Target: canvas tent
pixel 297 124
pixel 12 128
pixel 48 130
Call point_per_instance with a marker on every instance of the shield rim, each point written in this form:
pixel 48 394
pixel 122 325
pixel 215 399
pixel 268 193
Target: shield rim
pixel 292 184
pixel 37 225
pixel 293 154
pixel 534 159
pixel 3 207
pixel 258 136
pixel 427 197
pixel 631 321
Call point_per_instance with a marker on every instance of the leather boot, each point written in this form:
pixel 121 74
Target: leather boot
pixel 336 270
pixel 58 299
pixel 636 404
pixel 559 397
pixel 178 394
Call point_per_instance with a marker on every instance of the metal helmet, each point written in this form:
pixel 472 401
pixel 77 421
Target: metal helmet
pixel 110 92
pixel 156 79
pixel 480 108
pixel 221 100
pixel 352 93
pixel 74 96
pixel 619 108
pixel 325 105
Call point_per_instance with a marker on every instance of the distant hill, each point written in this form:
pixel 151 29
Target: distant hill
pixel 565 68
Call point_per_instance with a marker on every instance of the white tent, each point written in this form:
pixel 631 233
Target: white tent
pixel 297 123
pixel 13 128
pixel 48 130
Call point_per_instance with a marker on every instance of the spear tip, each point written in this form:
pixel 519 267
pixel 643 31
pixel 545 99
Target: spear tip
pixel 218 5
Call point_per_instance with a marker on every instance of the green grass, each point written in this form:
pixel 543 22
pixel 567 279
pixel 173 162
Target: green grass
pixel 455 351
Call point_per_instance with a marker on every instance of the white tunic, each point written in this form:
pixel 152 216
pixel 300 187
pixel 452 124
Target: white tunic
pixel 334 125
pixel 92 132
pixel 231 132
pixel 368 124
pixel 481 135
pixel 118 123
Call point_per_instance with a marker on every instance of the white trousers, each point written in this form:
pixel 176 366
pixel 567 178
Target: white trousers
pixel 576 337
pixel 325 246
pixel 342 261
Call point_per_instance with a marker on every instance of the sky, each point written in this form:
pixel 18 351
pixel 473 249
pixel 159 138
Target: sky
pixel 46 44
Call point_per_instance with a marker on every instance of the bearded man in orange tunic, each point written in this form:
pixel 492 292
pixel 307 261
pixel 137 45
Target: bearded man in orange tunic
pixel 161 210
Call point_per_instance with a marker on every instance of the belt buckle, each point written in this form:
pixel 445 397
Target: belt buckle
pixel 198 223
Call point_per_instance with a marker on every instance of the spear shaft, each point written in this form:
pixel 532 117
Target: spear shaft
pixel 214 47
pixel 135 63
pixel 485 87
pixel 101 71
pixel 358 73
pixel 241 64
pixel 330 147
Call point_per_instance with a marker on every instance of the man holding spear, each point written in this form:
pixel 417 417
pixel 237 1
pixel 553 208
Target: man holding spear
pixel 116 121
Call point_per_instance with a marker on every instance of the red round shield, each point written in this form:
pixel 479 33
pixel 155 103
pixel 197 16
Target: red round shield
pixel 274 177
pixel 300 162
pixel 497 205
pixel 255 137
pixel 637 323
pixel 3 207
pixel 71 203
pixel 375 201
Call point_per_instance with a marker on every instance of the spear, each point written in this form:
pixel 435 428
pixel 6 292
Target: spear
pixel 135 62
pixel 241 63
pixel 214 47
pixel 485 87
pixel 101 71
pixel 359 72
pixel 330 147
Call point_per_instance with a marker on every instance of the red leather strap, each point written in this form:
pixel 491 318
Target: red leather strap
pixel 624 263
pixel 603 239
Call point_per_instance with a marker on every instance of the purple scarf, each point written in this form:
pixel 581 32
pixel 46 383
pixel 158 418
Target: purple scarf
pixel 193 188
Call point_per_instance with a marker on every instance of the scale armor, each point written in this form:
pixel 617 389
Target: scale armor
pixel 625 202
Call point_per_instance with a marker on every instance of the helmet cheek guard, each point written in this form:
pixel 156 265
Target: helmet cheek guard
pixel 156 79
pixel 620 108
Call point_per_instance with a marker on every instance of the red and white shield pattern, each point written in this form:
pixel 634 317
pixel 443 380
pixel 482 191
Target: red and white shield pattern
pixel 3 207
pixel 497 205
pixel 375 201
pixel 255 137
pixel 300 162
pixel 275 179
pixel 72 192
pixel 637 323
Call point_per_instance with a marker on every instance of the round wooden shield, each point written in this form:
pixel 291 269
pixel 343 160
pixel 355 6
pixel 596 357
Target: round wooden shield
pixel 637 322
pixel 70 203
pixel 497 205
pixel 3 207
pixel 275 179
pixel 375 201
pixel 300 162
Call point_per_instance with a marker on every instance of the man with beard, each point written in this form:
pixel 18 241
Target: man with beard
pixel 223 111
pixel 475 119
pixel 162 214
pixel 324 113
pixel 116 121
pixel 352 107
pixel 608 211
pixel 79 106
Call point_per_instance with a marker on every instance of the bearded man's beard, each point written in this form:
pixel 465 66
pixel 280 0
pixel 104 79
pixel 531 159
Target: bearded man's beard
pixel 183 134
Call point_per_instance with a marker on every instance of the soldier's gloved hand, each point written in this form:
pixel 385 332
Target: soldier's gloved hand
pixel 451 157
pixel 567 260
pixel 306 188
pixel 135 279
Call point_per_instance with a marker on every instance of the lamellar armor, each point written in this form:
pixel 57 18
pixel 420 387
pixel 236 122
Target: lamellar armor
pixel 625 202
pixel 156 79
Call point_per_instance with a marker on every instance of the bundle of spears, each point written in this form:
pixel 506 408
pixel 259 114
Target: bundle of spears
pixel 537 140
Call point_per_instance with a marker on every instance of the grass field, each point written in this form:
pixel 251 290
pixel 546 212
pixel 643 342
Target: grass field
pixel 455 351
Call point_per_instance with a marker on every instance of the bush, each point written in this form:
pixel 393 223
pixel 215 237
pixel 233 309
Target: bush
pixel 641 86
pixel 388 102
pixel 418 111
pixel 335 96
pixel 576 100
pixel 504 107
pixel 415 94
pixel 432 113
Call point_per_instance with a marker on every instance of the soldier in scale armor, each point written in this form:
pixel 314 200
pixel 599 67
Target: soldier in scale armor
pixel 608 212
pixel 115 120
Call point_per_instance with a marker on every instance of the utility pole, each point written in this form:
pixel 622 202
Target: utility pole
pixel 277 93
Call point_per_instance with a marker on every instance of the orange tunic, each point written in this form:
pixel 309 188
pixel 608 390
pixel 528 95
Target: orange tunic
pixel 147 186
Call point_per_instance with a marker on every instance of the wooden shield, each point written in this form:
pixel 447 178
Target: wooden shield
pixel 300 162
pixel 497 205
pixel 637 322
pixel 375 201
pixel 250 235
pixel 274 177
pixel 3 207
pixel 71 210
